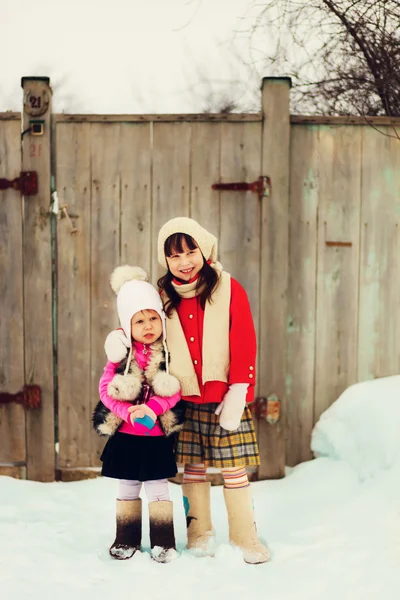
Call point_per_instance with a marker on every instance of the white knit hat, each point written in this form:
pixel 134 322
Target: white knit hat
pixel 134 294
pixel 206 241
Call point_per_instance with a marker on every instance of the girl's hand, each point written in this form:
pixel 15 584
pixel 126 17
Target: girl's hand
pixel 232 406
pixel 116 346
pixel 142 417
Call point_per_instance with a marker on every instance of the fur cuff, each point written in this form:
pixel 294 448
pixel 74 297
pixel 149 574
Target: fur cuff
pixel 165 385
pixel 124 387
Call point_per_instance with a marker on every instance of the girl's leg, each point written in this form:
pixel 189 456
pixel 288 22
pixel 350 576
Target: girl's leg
pixel 162 536
pixel 242 528
pixel 235 478
pixel 194 473
pixel 196 500
pixel 129 489
pixel 129 520
pixel 157 490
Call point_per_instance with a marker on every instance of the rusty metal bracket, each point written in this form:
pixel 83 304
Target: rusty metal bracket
pixel 262 186
pixel 26 183
pixel 29 397
pixel 268 409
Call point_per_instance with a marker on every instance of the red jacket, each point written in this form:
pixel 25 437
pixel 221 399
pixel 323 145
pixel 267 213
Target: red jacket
pixel 242 344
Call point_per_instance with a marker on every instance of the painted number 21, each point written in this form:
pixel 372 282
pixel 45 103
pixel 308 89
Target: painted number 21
pixel 35 101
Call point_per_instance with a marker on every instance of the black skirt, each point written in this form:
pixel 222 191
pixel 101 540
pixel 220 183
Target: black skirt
pixel 137 457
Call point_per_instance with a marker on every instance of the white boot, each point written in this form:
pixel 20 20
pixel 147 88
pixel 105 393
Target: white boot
pixel 242 528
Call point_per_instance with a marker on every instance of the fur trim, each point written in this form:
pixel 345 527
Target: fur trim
pixel 165 384
pixel 156 362
pixel 104 421
pixel 110 425
pixel 125 273
pixel 125 387
pixel 172 420
pixel 128 387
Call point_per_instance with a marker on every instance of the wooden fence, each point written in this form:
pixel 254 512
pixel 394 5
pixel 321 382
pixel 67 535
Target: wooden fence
pixel 317 257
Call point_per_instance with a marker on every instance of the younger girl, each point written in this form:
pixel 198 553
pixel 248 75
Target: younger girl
pixel 137 395
pixel 212 343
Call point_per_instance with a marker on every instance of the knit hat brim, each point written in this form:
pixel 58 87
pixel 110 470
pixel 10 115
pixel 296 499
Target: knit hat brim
pixel 205 240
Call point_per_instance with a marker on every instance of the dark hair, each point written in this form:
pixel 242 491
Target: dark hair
pixel 207 280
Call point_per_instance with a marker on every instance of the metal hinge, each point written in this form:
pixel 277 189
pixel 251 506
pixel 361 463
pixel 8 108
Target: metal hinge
pixel 29 397
pixel 26 183
pixel 266 408
pixel 262 186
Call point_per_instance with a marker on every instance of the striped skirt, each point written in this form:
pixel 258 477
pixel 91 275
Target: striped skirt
pixel 202 440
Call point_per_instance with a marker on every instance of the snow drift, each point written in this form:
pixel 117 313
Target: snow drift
pixel 362 427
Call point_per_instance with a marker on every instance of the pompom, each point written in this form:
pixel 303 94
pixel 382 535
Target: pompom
pixel 165 384
pixel 125 273
pixel 124 387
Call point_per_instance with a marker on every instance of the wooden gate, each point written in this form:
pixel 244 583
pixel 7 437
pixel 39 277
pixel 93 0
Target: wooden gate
pixel 120 179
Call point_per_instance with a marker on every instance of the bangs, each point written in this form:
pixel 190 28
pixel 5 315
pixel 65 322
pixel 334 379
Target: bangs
pixel 177 243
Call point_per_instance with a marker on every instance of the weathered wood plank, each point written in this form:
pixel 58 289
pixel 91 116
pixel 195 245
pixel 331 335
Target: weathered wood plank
pixel 16 471
pixel 274 272
pixel 171 179
pixel 379 328
pixel 38 294
pixel 105 250
pixel 304 196
pixel 12 416
pixel 10 116
pixel 348 120
pixel 73 294
pixel 205 170
pixel 172 118
pixel 338 265
pixel 135 169
pixel 241 211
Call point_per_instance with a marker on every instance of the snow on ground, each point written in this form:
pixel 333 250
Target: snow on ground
pixel 333 535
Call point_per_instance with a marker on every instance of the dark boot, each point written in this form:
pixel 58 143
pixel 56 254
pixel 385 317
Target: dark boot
pixel 129 529
pixel 162 536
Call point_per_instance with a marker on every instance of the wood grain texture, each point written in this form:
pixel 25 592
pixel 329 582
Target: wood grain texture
pixel 74 294
pixel 338 267
pixel 379 327
pixel 274 271
pixel 12 416
pixel 38 305
pixel 304 199
pixel 171 179
pixel 105 251
pixel 135 170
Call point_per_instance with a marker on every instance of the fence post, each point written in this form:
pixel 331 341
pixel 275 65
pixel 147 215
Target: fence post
pixel 274 271
pixel 37 261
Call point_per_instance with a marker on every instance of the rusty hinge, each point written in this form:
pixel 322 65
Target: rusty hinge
pixel 262 186
pixel 26 183
pixel 29 397
pixel 266 408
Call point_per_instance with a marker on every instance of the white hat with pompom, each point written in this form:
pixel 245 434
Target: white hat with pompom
pixel 134 293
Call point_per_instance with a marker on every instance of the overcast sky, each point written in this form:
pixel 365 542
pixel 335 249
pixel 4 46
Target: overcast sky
pixel 116 56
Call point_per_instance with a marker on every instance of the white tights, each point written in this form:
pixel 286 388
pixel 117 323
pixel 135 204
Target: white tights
pixel 156 489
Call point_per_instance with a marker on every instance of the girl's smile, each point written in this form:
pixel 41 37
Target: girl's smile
pixel 187 264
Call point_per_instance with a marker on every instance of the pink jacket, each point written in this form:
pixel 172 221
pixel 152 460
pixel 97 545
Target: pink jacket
pixel 158 404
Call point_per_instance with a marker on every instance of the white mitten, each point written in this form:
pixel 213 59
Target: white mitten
pixel 232 406
pixel 116 346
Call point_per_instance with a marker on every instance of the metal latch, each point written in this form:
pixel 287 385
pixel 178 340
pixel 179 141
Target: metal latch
pixel 262 186
pixel 26 183
pixel 29 397
pixel 266 408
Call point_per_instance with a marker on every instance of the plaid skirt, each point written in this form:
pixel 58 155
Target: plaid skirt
pixel 202 440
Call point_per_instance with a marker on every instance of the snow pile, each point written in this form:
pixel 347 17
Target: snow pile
pixel 362 427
